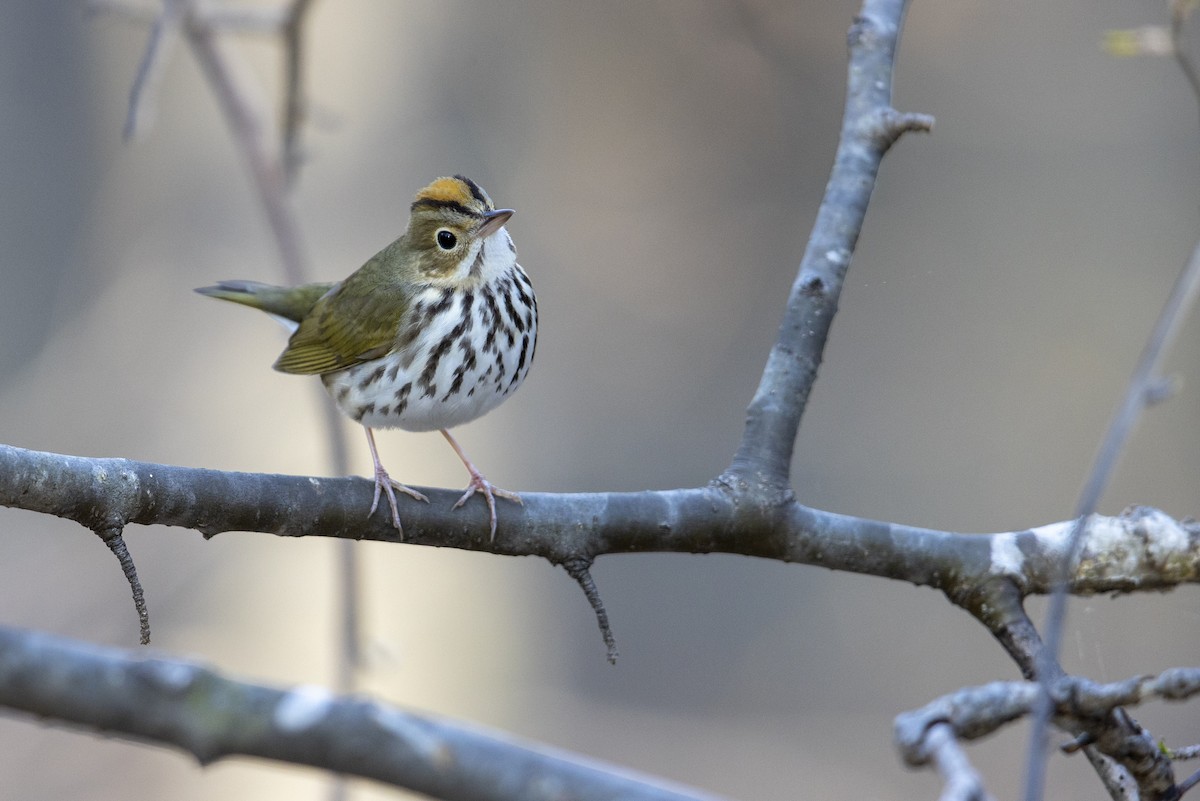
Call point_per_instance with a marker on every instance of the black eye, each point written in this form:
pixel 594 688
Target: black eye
pixel 446 240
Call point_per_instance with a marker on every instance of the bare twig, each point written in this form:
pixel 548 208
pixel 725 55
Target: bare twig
pixel 294 104
pixel 1139 393
pixel 164 34
pixel 272 171
pixel 1185 753
pixel 578 569
pixel 869 127
pixel 1077 704
pixel 960 779
pixel 1180 11
pixel 1116 780
pixel 267 172
pixel 251 134
pixel 1189 783
pixel 113 538
pixel 999 606
pixel 260 21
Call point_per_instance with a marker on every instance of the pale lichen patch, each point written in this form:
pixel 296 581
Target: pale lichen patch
pixel 1006 556
pixel 302 708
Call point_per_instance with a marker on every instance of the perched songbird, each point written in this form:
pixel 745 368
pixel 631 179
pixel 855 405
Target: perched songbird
pixel 435 330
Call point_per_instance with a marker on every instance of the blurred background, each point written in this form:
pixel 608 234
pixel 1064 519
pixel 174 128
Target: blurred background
pixel 666 160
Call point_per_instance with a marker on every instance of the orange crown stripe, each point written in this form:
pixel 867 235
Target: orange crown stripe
pixel 447 190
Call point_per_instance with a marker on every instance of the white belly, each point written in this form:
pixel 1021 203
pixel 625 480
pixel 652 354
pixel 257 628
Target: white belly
pixel 455 369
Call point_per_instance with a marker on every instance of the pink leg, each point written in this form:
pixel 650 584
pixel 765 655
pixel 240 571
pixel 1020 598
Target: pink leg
pixel 385 483
pixel 480 484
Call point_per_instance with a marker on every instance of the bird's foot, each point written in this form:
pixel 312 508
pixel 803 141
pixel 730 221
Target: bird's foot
pixel 490 492
pixel 387 485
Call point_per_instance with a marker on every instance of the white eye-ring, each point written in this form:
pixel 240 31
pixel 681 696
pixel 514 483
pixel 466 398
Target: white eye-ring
pixel 446 239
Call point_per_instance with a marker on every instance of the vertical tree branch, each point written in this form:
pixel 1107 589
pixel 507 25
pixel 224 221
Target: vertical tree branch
pixel 294 105
pixel 869 127
pixel 272 177
pixel 164 34
pixel 999 606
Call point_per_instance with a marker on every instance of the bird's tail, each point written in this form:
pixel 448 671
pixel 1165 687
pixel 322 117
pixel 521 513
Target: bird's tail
pixel 288 304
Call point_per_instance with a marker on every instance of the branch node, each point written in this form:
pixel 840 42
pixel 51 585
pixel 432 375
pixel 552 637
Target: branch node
pixel 112 536
pixel 888 125
pixel 578 569
pixel 1162 389
pixel 1075 744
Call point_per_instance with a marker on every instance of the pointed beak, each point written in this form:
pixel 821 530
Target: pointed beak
pixel 493 221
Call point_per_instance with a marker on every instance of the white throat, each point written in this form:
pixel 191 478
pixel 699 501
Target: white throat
pixel 494 257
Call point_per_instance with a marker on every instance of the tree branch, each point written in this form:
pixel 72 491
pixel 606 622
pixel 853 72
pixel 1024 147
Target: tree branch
pixel 869 128
pixel 1145 388
pixel 962 782
pixel 116 543
pixel 1142 549
pixel 294 106
pixel 164 34
pixel 1078 705
pixel 999 605
pixel 156 700
pixel 748 510
pixel 579 569
pixel 252 133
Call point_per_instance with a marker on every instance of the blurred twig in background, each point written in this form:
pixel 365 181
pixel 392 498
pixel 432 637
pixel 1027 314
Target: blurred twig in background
pixel 273 165
pixel 1146 388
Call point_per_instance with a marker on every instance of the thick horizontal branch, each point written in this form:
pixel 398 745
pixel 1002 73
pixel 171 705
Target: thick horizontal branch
pixel 155 699
pixel 1141 549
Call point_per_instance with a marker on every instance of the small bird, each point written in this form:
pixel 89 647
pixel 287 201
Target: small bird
pixel 437 329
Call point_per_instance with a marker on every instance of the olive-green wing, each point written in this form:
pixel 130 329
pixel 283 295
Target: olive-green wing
pixel 354 323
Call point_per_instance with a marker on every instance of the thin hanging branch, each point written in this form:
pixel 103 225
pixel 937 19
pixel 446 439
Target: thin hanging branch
pixel 116 543
pixel 578 569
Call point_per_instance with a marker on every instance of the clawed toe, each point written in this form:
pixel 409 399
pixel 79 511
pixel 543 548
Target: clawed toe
pixel 480 484
pixel 489 492
pixel 386 485
pixel 409 491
